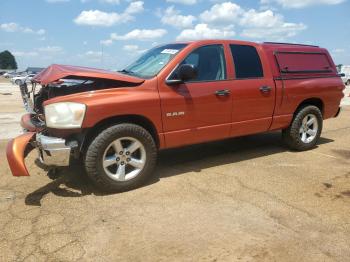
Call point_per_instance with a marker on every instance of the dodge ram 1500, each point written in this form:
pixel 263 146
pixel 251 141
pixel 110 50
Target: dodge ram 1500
pixel 174 95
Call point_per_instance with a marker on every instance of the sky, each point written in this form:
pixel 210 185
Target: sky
pixel 112 33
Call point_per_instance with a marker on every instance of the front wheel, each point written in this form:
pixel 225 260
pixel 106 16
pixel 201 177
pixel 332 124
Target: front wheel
pixel 121 157
pixel 305 129
pixel 18 82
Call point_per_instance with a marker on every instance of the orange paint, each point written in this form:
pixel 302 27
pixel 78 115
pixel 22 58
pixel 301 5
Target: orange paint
pixel 15 154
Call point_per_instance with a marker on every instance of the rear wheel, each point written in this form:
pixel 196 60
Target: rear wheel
pixel 121 157
pixel 18 82
pixel 305 129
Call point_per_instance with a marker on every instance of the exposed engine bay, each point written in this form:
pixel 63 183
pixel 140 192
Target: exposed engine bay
pixel 70 86
pixel 34 95
pixel 62 80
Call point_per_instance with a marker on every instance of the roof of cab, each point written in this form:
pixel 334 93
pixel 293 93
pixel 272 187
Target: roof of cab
pixel 273 45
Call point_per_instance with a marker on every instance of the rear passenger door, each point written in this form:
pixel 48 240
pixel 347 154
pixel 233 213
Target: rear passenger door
pixel 253 92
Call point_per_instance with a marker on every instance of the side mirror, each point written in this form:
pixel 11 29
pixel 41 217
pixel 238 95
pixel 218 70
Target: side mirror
pixel 187 72
pixel 184 73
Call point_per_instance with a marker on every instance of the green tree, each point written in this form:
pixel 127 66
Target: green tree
pixel 7 60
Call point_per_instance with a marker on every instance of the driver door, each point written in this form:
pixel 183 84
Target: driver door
pixel 198 110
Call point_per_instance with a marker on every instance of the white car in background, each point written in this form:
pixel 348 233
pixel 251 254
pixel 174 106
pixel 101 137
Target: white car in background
pixel 346 71
pixel 346 80
pixel 18 80
pixel 9 74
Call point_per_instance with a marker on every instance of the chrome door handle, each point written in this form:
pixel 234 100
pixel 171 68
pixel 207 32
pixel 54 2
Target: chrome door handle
pixel 265 89
pixel 224 92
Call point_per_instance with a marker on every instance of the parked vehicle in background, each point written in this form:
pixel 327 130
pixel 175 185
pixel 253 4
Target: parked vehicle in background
pixel 345 69
pixel 174 95
pixel 9 74
pixel 34 70
pixel 19 80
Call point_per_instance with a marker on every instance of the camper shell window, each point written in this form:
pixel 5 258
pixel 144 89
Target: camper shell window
pixel 303 63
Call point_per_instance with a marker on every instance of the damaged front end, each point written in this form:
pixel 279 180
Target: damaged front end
pixel 55 150
pixel 52 151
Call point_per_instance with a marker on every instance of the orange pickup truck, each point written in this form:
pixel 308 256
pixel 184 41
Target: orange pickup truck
pixel 174 95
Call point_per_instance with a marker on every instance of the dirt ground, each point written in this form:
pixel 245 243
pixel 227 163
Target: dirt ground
pixel 243 199
pixel 11 109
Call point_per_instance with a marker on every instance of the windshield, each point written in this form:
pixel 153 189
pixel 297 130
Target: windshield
pixel 150 63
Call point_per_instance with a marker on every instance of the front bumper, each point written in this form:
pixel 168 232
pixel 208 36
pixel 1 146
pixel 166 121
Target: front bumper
pixel 53 151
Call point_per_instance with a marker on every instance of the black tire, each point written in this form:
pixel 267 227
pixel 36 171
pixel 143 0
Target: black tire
pixel 95 153
pixel 18 82
pixel 347 82
pixel 291 135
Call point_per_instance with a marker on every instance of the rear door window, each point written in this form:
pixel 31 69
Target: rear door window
pixel 247 61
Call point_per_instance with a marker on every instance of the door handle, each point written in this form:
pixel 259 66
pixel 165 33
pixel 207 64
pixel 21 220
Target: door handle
pixel 224 92
pixel 265 89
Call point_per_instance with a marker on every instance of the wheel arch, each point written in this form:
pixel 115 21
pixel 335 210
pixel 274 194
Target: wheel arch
pixel 131 119
pixel 315 101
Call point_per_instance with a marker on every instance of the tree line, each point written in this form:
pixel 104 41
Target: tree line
pixel 7 60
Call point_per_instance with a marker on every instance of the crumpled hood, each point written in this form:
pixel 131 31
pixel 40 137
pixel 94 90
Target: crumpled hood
pixel 55 72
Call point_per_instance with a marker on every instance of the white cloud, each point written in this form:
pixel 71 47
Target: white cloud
pixel 267 25
pixel 185 2
pixel 227 12
pixel 140 34
pixel 302 3
pixel 281 32
pixel 92 56
pixel 10 27
pixel 338 50
pixel 173 17
pixel 50 49
pixel 133 49
pixel 25 54
pixel 46 52
pixel 267 18
pixel 93 53
pixel 203 31
pixel 254 24
pixel 41 32
pixel 14 27
pixel 106 42
pixel 100 18
pixel 134 8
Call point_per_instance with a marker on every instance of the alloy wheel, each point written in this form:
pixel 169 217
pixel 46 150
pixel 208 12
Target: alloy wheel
pixel 124 159
pixel 308 129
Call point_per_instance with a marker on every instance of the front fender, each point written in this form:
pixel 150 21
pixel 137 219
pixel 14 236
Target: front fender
pixel 15 152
